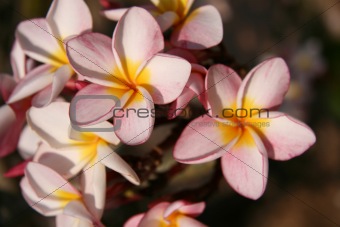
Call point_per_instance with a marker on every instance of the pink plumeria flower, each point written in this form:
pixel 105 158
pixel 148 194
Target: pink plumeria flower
pixel 130 68
pixel 68 152
pixel 43 40
pixel 199 29
pixel 50 195
pixel 13 116
pixel 242 130
pixel 178 213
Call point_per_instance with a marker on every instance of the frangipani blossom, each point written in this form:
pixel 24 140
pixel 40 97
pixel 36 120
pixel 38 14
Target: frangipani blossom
pixel 178 213
pixel 50 195
pixel 43 40
pixel 130 68
pixel 68 152
pixel 241 131
pixel 13 116
pixel 11 120
pixel 199 29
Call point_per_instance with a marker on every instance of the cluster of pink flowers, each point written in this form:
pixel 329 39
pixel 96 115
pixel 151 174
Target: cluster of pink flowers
pixel 60 52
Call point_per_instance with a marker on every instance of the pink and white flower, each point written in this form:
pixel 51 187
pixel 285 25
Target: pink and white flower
pixel 199 29
pixel 43 40
pixel 51 195
pixel 68 152
pixel 130 68
pixel 13 116
pixel 240 130
pixel 179 213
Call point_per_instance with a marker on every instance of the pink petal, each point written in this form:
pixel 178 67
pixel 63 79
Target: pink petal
pixel 222 87
pixel 154 217
pixel 54 116
pixel 166 20
pixel 47 183
pixel 91 56
pixel 94 104
pixel 193 210
pixel 245 166
pixel 114 14
pixel 46 206
pixel 205 139
pixel 50 93
pixel 134 221
pixel 286 137
pixel 113 161
pixel 37 41
pixel 35 81
pixel 173 207
pixel 195 88
pixel 67 162
pixel 265 85
pixel 178 106
pixel 164 76
pixel 67 18
pixel 11 126
pixel 18 61
pixel 93 186
pixel 187 55
pixel 28 143
pixel 197 29
pixel 197 85
pixel 136 39
pixel 137 119
pixel 17 170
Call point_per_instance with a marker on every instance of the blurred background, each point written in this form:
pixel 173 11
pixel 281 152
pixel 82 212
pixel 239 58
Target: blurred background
pixel 304 191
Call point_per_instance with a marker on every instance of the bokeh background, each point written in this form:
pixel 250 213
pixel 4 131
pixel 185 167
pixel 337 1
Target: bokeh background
pixel 303 192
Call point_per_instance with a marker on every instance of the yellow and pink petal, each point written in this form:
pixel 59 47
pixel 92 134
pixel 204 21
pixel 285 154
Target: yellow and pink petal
pixel 68 18
pixel 265 85
pixel 213 138
pixel 245 165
